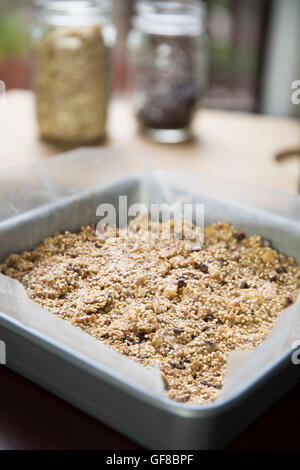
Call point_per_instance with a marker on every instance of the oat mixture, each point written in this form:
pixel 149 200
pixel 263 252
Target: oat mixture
pixel 159 301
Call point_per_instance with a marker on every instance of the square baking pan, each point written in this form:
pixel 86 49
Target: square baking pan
pixel 152 420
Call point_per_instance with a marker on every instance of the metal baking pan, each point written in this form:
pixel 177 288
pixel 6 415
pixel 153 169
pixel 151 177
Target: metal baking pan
pixel 153 421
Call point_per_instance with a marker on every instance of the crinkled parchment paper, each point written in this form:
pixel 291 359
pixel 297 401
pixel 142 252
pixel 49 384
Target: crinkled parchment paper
pixel 272 214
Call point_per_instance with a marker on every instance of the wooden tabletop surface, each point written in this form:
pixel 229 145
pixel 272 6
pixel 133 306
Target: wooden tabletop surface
pixel 235 146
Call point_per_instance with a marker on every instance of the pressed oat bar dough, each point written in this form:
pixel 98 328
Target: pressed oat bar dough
pixel 156 300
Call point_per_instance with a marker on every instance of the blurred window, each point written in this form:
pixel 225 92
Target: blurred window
pixel 238 31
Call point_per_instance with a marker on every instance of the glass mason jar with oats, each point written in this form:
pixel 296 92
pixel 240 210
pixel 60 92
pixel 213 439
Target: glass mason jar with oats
pixel 72 42
pixel 167 66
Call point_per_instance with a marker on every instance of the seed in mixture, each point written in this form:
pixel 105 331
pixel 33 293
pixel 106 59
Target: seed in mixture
pixel 158 302
pixel 181 282
pixel 204 382
pixel 223 262
pixel 281 270
pixel 240 236
pixel 208 318
pixel 177 331
pixel 202 266
pixel 244 285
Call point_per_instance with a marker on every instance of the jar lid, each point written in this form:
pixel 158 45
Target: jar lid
pixel 170 17
pixel 75 12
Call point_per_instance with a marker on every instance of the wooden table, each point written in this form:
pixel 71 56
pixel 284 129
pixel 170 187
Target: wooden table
pixel 237 146
pixel 232 145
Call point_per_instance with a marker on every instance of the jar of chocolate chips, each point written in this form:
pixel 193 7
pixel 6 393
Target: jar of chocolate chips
pixel 167 66
pixel 72 42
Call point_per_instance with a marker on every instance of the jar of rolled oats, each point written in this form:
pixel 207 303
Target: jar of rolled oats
pixel 72 42
pixel 167 52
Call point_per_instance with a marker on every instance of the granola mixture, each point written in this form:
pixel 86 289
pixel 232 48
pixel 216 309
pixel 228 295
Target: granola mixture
pixel 159 301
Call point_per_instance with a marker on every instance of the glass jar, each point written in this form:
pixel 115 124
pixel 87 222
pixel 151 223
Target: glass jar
pixel 71 41
pixel 167 66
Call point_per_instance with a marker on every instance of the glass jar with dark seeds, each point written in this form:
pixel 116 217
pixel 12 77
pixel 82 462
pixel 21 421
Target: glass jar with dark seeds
pixel 167 65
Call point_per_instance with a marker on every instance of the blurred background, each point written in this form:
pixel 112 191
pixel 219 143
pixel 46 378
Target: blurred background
pixel 253 52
